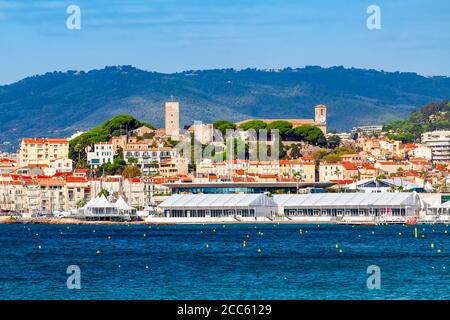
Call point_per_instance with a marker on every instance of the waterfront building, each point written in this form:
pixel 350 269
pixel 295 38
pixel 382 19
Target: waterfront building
pixel 349 204
pixel 103 153
pixel 42 151
pixel 439 142
pixel 224 205
pixel 224 187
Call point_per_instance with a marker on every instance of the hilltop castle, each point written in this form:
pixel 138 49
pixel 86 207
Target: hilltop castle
pixel 320 119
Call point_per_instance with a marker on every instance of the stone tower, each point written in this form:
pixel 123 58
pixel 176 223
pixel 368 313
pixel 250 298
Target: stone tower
pixel 320 117
pixel 172 123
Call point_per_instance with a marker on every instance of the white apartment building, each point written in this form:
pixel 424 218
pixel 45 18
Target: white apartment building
pixel 148 159
pixel 103 153
pixel 439 142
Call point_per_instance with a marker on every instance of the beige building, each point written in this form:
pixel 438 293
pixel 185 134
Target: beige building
pixel 172 123
pixel 338 171
pixel 42 151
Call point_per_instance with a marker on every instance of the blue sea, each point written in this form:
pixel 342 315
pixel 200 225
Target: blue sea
pixel 211 261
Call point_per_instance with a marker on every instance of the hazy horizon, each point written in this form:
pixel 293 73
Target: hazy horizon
pixel 175 35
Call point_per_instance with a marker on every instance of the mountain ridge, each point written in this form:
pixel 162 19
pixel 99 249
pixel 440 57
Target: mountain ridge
pixel 60 103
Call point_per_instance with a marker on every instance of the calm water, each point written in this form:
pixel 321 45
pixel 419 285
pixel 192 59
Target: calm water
pixel 173 262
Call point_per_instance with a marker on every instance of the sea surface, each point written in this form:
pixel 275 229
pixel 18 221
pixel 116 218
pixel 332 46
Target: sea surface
pixel 211 261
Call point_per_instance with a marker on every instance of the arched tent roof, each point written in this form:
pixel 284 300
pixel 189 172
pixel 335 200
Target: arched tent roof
pixel 122 205
pixel 101 202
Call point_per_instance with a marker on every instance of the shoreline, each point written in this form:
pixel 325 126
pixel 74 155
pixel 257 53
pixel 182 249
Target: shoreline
pixel 71 221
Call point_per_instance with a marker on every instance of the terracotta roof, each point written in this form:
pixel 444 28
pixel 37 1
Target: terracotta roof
pixel 349 165
pixel 45 140
pixel 76 180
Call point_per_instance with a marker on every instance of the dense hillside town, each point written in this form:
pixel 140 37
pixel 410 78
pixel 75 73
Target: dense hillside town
pixel 128 161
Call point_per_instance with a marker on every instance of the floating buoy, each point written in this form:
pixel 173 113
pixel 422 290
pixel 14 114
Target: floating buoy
pixel 145 235
pixel 39 247
pixel 146 267
pixel 359 236
pixel 214 230
pixel 439 251
pixel 259 250
pixel 109 237
pixel 399 233
pixel 98 252
pixel 373 232
pixel 337 246
pixel 445 231
pixel 423 236
pixel 93 230
pixel 244 244
pixel 300 231
pixel 206 246
pixel 248 236
pixel 341 251
pixel 415 232
pixel 432 246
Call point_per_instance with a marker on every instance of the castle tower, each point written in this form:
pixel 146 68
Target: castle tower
pixel 320 117
pixel 172 123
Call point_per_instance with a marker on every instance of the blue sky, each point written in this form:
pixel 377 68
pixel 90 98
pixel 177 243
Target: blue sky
pixel 176 35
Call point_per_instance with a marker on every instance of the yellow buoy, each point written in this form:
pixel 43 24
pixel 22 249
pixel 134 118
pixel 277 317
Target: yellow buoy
pixel 432 246
pixel 244 244
pixel 300 231
pixel 341 251
pixel 415 232
pixel 337 246
pixel 438 250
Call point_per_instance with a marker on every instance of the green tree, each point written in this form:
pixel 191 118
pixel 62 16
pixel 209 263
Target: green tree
pixel 223 126
pixel 253 124
pixel 104 192
pixel 334 141
pixel 283 126
pixel 311 134
pixel 131 172
pixel 295 152
pixel 132 160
